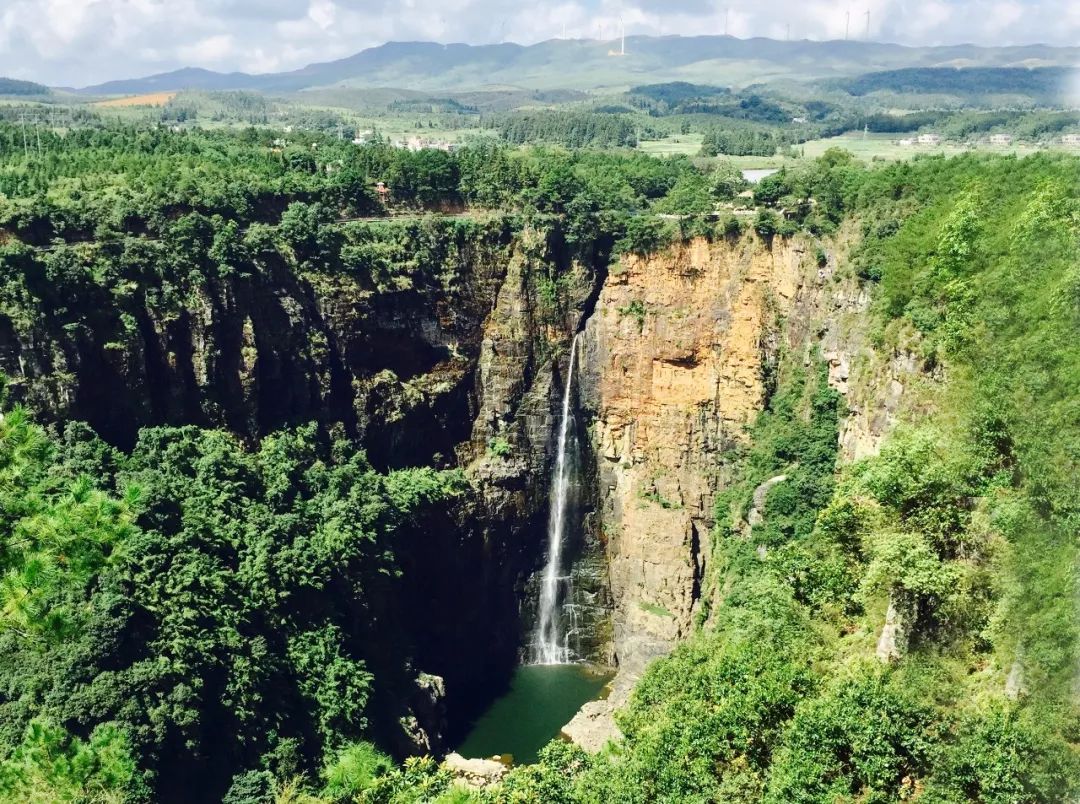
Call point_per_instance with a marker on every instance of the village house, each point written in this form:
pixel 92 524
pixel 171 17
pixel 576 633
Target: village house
pixel 415 143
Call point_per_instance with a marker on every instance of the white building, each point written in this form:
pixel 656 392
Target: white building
pixel 1071 139
pixel 929 139
pixel 1000 139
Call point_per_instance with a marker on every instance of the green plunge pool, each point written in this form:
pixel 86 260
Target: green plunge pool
pixel 540 701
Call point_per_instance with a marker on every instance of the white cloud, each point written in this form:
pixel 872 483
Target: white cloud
pixel 87 41
pixel 210 50
pixel 323 13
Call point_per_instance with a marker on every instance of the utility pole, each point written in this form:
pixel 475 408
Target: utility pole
pixel 788 35
pixel 847 24
pixel 867 25
pixel 622 31
pixel 727 11
pixel 25 147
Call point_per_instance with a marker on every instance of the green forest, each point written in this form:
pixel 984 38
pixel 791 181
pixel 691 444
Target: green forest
pixel 202 603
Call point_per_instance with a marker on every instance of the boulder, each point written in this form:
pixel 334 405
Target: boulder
pixel 475 773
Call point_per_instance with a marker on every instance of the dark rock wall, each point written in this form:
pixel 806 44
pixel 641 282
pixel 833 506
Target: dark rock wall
pixel 429 368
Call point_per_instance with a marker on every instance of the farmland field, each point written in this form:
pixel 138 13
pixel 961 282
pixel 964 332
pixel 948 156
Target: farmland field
pixel 149 99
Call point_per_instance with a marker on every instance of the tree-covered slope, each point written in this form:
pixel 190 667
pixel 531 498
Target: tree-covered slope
pixel 1046 84
pixel 205 601
pixel 13 86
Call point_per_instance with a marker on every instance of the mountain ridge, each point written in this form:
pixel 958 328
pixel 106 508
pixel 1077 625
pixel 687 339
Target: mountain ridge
pixel 593 65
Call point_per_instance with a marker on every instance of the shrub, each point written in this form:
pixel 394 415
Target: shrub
pixel 499 447
pixel 865 739
pixel 766 224
pixel 355 770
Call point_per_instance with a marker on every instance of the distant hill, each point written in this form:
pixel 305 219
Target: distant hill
pixel 187 78
pixel 13 86
pixel 1039 82
pixel 677 91
pixel 485 100
pixel 584 64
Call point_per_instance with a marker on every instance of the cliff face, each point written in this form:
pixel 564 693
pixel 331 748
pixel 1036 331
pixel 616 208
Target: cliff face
pixel 522 370
pixel 680 356
pixel 389 359
pixel 676 355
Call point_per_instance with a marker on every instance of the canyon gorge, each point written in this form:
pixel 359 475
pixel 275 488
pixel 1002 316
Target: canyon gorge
pixel 465 362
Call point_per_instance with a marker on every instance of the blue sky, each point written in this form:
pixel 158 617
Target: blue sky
pixel 79 42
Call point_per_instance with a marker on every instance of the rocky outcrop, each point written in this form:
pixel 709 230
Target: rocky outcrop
pixel 475 773
pixel 675 357
pixel 424 726
pixel 594 726
pixel 896 633
pixel 757 507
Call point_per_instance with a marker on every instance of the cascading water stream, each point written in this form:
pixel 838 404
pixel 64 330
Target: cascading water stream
pixel 551 643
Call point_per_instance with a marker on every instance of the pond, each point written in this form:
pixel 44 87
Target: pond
pixel 754 175
pixel 541 700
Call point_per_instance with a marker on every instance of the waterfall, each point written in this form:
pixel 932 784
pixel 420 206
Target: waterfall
pixel 551 643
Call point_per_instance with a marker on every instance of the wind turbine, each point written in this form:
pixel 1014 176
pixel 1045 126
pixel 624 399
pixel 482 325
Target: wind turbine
pixel 622 39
